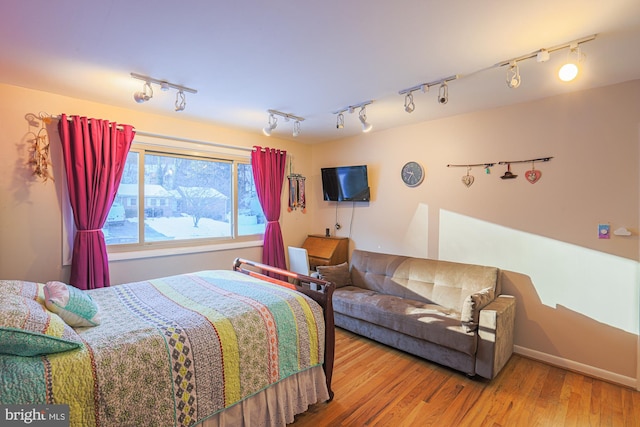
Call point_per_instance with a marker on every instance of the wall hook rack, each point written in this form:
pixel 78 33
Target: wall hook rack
pixel 541 159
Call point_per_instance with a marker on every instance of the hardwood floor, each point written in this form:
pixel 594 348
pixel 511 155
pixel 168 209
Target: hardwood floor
pixel 380 386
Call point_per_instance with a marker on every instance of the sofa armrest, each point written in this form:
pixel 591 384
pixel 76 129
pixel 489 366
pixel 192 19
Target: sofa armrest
pixel 495 336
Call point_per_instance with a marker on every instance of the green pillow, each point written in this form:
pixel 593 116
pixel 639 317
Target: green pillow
pixel 29 329
pixel 73 305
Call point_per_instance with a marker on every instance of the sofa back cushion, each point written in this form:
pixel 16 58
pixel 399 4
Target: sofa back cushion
pixel 436 282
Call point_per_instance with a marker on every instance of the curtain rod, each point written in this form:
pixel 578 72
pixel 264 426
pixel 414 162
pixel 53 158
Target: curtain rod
pixel 180 139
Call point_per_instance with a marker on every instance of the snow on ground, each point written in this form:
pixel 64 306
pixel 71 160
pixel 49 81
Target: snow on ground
pixel 182 227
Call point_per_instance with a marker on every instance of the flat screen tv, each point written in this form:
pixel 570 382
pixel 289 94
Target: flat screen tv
pixel 346 183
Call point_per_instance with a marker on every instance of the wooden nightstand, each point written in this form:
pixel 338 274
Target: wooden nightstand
pixel 324 250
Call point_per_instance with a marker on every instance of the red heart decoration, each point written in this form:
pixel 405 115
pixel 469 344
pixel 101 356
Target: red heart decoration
pixel 533 175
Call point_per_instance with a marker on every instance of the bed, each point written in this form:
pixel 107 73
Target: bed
pixel 211 348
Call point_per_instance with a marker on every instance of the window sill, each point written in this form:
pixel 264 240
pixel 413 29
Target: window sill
pixel 153 253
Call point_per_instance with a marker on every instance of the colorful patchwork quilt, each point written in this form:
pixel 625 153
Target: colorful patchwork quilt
pixel 172 351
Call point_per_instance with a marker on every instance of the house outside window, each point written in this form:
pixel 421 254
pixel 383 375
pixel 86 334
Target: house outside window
pixel 187 199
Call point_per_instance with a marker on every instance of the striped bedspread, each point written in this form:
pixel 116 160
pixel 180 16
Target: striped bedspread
pixel 174 351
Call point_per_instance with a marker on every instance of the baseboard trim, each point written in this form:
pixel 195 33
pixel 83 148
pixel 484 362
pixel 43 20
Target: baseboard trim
pixel 578 367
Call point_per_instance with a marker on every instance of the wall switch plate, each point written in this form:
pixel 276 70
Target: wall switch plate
pixel 604 231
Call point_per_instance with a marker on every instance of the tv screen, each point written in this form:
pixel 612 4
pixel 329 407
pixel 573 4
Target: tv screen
pixel 345 183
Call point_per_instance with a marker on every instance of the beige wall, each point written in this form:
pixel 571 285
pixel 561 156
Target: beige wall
pixel 577 294
pixel 542 235
pixel 30 212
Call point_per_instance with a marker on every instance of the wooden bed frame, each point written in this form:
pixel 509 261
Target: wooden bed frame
pixel 304 284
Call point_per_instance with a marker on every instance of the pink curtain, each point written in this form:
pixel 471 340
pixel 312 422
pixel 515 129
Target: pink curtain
pixel 268 174
pixel 95 152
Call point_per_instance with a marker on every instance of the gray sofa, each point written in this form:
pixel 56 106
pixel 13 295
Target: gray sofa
pixel 450 313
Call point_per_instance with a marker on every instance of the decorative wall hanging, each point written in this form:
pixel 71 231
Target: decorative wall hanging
pixel 508 174
pixel 468 179
pixel 532 175
pixel 39 155
pixel 297 198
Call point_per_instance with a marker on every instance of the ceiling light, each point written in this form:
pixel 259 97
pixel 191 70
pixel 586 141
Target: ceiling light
pixel 513 75
pixel 273 123
pixel 145 95
pixel 366 127
pixel 569 71
pixel 409 105
pixel 147 92
pixel 443 93
pixel 181 101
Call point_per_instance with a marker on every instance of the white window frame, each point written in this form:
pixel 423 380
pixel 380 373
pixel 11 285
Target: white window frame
pixel 170 145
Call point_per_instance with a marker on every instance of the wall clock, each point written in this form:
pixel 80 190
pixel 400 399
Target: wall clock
pixel 412 174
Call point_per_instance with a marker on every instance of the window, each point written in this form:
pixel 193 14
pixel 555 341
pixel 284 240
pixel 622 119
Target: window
pixel 180 198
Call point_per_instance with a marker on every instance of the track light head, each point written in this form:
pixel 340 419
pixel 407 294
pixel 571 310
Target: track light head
pixel 181 101
pixel 340 121
pixel 273 123
pixel 366 127
pixel 145 95
pixel 513 75
pixel 409 105
pixel 296 128
pixel 443 93
pixel 569 71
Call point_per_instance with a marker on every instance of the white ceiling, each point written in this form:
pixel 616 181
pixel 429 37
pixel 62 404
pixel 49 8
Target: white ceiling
pixel 311 58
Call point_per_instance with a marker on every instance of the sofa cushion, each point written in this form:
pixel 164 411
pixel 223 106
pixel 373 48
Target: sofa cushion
pixel 337 274
pixel 431 281
pixel 393 274
pixel 428 322
pixel 454 282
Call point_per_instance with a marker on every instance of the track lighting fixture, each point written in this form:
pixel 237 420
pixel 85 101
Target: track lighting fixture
pixel 366 127
pixel 443 93
pixel 409 105
pixel 273 122
pixel 181 101
pixel 362 115
pixel 513 75
pixel 147 92
pixel 145 95
pixel 569 71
